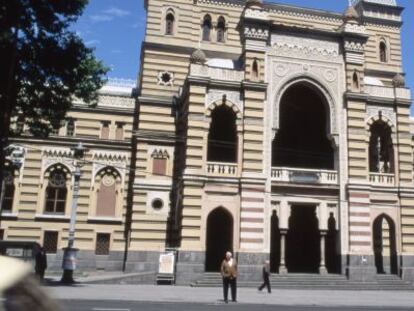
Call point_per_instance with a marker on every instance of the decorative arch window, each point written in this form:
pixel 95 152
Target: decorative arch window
pixel 255 70
pixel 56 192
pixel 9 190
pixel 381 150
pixel 169 23
pixel 221 29
pixel 383 52
pixel 159 162
pixel 108 190
pixel 355 81
pixel 206 28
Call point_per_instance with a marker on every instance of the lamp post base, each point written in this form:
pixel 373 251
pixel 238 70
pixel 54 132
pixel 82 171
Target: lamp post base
pixel 67 277
pixel 68 265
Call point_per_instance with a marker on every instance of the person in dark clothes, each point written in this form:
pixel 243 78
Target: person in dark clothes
pixel 41 263
pixel 229 274
pixel 266 275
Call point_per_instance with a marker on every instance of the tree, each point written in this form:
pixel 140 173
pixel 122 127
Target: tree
pixel 44 65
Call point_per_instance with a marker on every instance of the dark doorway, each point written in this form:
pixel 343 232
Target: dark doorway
pixel 222 137
pixel 384 243
pixel 219 238
pixel 332 253
pixel 303 240
pixel 274 243
pixel 302 137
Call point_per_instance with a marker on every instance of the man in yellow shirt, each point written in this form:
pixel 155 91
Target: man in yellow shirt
pixel 229 274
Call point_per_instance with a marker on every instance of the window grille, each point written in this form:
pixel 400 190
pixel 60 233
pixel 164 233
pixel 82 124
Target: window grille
pixel 50 241
pixel 102 243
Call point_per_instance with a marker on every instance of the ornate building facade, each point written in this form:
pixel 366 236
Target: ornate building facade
pixel 269 130
pixel 38 196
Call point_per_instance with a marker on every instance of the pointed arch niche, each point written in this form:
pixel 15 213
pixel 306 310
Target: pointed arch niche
pixel 107 194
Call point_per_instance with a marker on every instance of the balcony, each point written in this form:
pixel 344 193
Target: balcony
pixel 218 169
pixel 382 179
pixel 304 176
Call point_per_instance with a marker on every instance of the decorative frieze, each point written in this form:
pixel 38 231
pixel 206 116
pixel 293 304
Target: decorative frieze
pixel 116 102
pixel 254 32
pixel 299 47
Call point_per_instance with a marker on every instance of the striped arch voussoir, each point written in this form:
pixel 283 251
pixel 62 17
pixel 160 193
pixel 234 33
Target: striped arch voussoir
pixel 374 119
pixel 227 103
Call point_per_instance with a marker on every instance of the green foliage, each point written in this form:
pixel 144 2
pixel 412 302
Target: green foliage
pixel 46 64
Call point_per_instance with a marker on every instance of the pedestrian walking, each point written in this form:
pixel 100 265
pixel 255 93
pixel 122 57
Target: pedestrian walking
pixel 266 275
pixel 229 274
pixel 41 263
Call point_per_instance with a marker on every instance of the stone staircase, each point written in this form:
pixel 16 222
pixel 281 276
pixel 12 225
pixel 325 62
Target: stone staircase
pixel 313 281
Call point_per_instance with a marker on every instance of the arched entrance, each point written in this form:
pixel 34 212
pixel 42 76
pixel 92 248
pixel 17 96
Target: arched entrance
pixel 219 238
pixel 384 242
pixel 274 243
pixel 303 240
pixel 222 136
pixel 302 140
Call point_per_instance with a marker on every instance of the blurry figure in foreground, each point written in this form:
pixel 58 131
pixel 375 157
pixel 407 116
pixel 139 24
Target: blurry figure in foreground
pixel 20 289
pixel 265 276
pixel 41 264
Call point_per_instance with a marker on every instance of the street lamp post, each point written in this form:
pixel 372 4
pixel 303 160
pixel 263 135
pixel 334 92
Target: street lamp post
pixel 69 253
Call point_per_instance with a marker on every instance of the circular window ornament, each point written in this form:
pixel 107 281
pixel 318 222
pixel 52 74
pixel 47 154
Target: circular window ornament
pixel 165 78
pixel 157 204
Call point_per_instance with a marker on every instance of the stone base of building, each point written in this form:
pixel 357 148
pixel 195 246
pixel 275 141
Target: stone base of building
pixel 407 268
pixel 361 268
pixel 190 265
pixel 88 261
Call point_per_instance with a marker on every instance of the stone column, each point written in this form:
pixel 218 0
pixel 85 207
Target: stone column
pixel 282 267
pixel 322 265
pixel 239 149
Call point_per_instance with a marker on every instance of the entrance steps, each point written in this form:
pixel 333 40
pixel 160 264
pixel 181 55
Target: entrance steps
pixel 313 281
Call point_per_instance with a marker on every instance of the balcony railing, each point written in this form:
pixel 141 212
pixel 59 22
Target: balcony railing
pixel 222 169
pixel 382 179
pixel 306 176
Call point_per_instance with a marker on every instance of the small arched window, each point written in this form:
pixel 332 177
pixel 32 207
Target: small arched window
pixel 70 128
pixel 56 193
pixel 9 189
pixel 383 52
pixel 221 29
pixel 255 70
pixel 355 81
pixel 20 125
pixel 206 28
pixel 169 23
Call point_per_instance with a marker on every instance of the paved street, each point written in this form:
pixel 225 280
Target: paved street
pixel 88 305
pixel 145 297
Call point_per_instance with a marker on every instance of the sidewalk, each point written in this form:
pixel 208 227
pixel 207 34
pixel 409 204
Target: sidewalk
pixel 151 293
